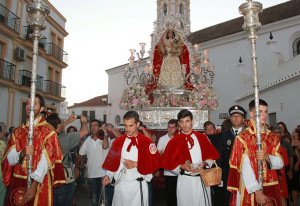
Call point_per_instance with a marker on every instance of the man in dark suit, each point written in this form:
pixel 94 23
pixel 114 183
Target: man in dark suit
pixel 227 137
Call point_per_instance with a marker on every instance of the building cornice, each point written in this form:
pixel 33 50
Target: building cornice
pixel 279 25
pixel 58 27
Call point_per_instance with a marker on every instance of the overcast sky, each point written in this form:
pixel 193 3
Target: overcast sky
pixel 101 32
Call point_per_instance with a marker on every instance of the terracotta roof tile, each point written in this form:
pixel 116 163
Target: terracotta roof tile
pixel 95 102
pixel 269 15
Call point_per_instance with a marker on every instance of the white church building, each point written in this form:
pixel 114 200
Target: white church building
pixel 278 49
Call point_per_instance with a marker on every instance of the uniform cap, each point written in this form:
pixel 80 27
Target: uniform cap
pixel 237 109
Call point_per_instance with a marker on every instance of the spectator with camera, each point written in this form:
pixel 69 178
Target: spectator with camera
pixel 112 133
pixel 63 195
pixel 96 148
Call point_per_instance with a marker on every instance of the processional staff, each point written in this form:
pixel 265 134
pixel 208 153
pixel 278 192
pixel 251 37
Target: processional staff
pixel 250 11
pixel 37 14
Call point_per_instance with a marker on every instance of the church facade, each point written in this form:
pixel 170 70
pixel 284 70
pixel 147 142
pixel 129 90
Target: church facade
pixel 229 52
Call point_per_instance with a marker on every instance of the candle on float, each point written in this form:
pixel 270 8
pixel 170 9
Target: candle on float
pixel 142 46
pixel 132 51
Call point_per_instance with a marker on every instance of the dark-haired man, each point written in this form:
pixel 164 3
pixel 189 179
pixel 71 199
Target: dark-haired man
pixel 47 167
pixel 243 174
pixel 96 148
pixel 63 195
pixel 170 176
pixel 187 154
pixel 227 137
pixel 131 161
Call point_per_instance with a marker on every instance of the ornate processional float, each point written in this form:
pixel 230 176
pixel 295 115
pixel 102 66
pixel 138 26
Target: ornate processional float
pixel 177 75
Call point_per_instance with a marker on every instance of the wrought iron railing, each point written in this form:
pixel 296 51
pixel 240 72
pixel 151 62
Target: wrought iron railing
pixel 42 41
pixel 7 70
pixel 9 19
pixel 57 52
pixel 25 79
pixel 54 88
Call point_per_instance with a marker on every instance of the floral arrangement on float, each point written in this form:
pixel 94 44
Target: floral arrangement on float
pixel 203 97
pixel 173 100
pixel 134 97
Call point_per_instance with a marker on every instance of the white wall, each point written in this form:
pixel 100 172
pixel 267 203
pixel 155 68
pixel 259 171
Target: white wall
pixel 234 80
pixel 116 86
pixel 3 103
pixel 99 112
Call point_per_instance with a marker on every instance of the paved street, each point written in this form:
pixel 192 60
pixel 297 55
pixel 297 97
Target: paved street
pixel 83 197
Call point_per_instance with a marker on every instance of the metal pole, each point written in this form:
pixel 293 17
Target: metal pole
pixel 35 53
pixel 37 13
pixel 257 113
pixel 250 11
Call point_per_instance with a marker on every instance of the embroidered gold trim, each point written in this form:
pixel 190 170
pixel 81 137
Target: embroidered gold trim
pixel 20 176
pixel 232 188
pixel 4 157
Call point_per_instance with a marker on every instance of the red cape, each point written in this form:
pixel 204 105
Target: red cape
pixel 245 143
pixel 147 162
pixel 45 140
pixel 177 152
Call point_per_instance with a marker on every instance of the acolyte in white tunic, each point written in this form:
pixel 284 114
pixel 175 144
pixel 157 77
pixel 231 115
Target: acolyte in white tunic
pixel 248 176
pixel 42 167
pixel 127 192
pixel 190 189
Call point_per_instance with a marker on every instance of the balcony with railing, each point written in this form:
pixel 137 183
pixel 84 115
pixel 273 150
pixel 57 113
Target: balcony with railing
pixel 7 70
pixel 57 52
pixel 25 79
pixel 9 19
pixel 54 88
pixel 42 41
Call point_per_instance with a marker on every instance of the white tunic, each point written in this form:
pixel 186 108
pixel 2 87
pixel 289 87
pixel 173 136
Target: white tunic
pixel 191 190
pixel 42 167
pixel 127 192
pixel 248 176
pixel 161 145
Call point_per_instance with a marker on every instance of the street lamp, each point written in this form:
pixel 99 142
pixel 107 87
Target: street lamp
pixel 104 100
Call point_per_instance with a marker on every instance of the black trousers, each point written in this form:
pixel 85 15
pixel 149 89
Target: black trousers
pixel 171 185
pixel 221 196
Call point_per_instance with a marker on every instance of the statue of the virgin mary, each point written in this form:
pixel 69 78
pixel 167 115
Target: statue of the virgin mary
pixel 170 47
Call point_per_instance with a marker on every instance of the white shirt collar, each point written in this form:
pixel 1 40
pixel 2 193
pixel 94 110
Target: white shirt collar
pixel 239 130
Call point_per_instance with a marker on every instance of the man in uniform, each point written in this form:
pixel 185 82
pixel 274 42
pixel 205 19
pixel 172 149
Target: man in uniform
pixel 237 116
pixel 187 154
pixel 46 161
pixel 131 161
pixel 243 174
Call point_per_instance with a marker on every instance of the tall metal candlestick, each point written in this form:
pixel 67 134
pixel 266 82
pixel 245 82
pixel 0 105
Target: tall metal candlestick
pixel 37 14
pixel 250 11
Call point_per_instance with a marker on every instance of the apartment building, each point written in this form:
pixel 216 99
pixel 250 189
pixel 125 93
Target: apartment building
pixel 16 60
